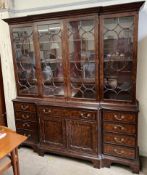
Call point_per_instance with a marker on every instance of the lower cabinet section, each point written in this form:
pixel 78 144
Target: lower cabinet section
pixel 77 134
pixel 100 136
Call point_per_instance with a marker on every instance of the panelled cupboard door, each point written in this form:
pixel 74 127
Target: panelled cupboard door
pixel 53 131
pixel 24 60
pixel 118 56
pixel 82 136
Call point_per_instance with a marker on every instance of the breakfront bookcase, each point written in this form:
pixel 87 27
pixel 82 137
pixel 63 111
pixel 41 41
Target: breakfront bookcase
pixel 76 82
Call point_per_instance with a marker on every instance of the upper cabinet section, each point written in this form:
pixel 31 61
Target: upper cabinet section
pixel 25 67
pixel 79 55
pixel 118 57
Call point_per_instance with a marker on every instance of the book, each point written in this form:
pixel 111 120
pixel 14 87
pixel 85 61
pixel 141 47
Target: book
pixel 2 135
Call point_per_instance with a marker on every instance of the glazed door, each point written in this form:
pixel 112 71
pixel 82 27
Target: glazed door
pixel 82 136
pixel 25 61
pixel 82 50
pixel 52 63
pixel 118 57
pixel 53 131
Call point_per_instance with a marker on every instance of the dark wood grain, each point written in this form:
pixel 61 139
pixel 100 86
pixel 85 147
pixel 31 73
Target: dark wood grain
pixel 120 128
pixel 119 139
pixel 128 7
pixel 119 117
pixel 119 151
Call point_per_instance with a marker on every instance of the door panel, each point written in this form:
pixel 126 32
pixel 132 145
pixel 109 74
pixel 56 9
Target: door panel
pixel 118 57
pixel 25 61
pixel 53 131
pixel 82 136
pixel 82 48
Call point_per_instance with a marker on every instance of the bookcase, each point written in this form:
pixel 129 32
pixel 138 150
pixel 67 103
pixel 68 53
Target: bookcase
pixel 76 83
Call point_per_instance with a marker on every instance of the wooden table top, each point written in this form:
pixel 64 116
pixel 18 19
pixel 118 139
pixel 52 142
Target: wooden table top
pixel 11 141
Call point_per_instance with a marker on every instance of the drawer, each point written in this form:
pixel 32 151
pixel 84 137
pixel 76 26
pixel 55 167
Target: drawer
pixel 32 136
pixel 119 128
pixel 25 107
pixel 83 114
pixel 53 111
pixel 119 139
pixel 119 117
pixel 119 151
pixel 25 116
pixel 26 125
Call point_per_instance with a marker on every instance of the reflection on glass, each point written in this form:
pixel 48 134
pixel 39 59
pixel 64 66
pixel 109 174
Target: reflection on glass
pixel 82 58
pixel 25 60
pixel 51 59
pixel 118 55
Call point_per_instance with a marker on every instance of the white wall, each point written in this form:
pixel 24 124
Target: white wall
pixel 7 69
pixel 142 79
pixel 28 7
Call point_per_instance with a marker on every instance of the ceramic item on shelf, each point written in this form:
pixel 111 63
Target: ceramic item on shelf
pixel 112 83
pixel 47 73
pixel 122 55
pixel 125 86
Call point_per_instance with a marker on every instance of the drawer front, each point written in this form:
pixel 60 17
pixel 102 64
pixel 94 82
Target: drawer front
pixel 26 125
pixel 119 139
pixel 32 136
pixel 25 107
pixel 25 116
pixel 73 114
pixel 83 114
pixel 119 117
pixel 119 151
pixel 53 111
pixel 119 128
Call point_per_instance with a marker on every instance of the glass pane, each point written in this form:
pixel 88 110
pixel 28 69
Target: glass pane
pixel 51 59
pixel 25 61
pixel 82 58
pixel 118 57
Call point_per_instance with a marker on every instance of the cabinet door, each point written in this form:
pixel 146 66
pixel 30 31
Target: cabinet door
pixel 52 131
pixel 51 58
pixel 24 59
pixel 118 57
pixel 82 136
pixel 82 53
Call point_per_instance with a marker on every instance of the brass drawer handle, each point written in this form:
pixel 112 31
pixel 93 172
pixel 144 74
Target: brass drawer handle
pixel 88 115
pixel 82 114
pixel 119 127
pixel 47 111
pixel 25 116
pixel 119 117
pixel 26 124
pixel 85 115
pixel 24 107
pixel 119 140
pixel 119 151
